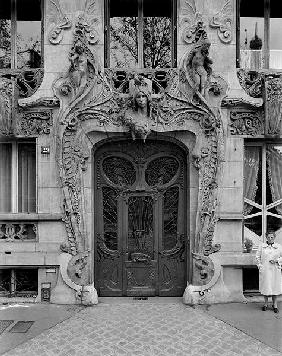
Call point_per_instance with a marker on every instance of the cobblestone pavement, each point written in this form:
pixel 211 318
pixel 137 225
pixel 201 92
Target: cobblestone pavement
pixel 142 328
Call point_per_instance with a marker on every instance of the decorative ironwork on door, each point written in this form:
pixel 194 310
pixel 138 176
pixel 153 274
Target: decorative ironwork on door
pixel 140 223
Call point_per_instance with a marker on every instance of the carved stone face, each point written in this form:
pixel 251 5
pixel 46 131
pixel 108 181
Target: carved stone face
pixel 270 237
pixel 141 99
pixel 198 59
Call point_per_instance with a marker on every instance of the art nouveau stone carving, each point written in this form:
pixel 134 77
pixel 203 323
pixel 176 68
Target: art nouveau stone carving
pixel 246 123
pixel 6 106
pixel 191 20
pixel 61 23
pixel 14 232
pixel 251 82
pixel 273 100
pixel 223 21
pixel 192 99
pixel 34 123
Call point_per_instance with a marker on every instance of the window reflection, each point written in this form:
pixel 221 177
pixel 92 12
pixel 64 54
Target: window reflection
pixel 5 34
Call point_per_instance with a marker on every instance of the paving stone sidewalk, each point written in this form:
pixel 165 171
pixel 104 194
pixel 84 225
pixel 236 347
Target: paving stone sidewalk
pixel 142 328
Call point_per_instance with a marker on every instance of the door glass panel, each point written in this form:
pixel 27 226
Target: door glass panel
pixel 140 227
pixel 275 45
pixel 5 34
pixel 170 215
pixel 123 33
pixel 119 171
pixel 110 217
pixel 161 170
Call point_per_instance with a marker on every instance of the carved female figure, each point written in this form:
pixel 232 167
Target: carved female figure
pixel 138 117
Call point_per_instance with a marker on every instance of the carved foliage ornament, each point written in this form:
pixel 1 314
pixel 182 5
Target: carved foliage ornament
pixel 223 21
pixel 34 123
pixel 10 232
pixel 191 20
pixel 251 82
pixel 6 95
pixel 246 123
pixel 273 105
pixel 55 34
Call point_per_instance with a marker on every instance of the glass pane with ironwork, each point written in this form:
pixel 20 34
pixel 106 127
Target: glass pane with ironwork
pixel 123 33
pixel 119 171
pixel 5 34
pixel 28 37
pixel 251 34
pixel 157 33
pixel 140 227
pixel 26 177
pixel 26 281
pixel 110 217
pixel 5 282
pixel 5 177
pixel 161 170
pixel 170 217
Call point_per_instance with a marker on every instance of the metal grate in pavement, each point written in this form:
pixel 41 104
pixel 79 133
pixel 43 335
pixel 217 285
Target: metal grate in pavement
pixel 21 327
pixel 4 324
pixel 140 298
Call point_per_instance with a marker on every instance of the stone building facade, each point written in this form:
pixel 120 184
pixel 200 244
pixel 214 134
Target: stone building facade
pixel 125 178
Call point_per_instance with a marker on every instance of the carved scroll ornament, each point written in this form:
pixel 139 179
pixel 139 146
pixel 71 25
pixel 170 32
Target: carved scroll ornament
pixel 55 34
pixel 251 82
pixel 223 21
pixel 34 123
pixel 191 19
pixel 246 123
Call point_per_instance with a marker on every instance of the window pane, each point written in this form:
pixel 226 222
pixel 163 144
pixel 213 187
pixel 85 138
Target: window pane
pixel 251 34
pixel 5 34
pixel 28 34
pixel 5 177
pixel 5 282
pixel 123 33
pixel 26 177
pixel 26 281
pixel 157 34
pixel 275 46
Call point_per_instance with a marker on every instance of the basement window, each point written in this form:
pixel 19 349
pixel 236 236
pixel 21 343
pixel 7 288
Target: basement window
pixel 18 282
pixel 250 280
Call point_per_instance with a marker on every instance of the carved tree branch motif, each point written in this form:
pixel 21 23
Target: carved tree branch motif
pixel 223 21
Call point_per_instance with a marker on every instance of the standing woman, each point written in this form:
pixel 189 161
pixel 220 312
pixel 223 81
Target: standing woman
pixel 269 261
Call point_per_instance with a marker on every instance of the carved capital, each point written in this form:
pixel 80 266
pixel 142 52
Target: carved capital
pixel 246 123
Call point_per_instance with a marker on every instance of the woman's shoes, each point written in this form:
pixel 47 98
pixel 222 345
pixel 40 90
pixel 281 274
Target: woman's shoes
pixel 264 308
pixel 276 310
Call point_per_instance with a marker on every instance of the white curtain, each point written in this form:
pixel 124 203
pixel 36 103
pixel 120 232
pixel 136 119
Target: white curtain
pixel 251 166
pixel 274 169
pixel 5 177
pixel 26 178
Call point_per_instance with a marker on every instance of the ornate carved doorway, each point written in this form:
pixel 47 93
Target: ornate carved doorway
pixel 140 219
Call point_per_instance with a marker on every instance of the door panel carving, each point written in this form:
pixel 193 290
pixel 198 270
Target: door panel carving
pixel 140 223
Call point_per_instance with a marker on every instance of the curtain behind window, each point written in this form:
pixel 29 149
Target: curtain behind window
pixel 5 177
pixel 251 166
pixel 274 168
pixel 26 178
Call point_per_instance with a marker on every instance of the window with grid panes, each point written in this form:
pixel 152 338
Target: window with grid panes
pixel 140 33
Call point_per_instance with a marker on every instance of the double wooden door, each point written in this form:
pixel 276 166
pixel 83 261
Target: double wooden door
pixel 140 247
